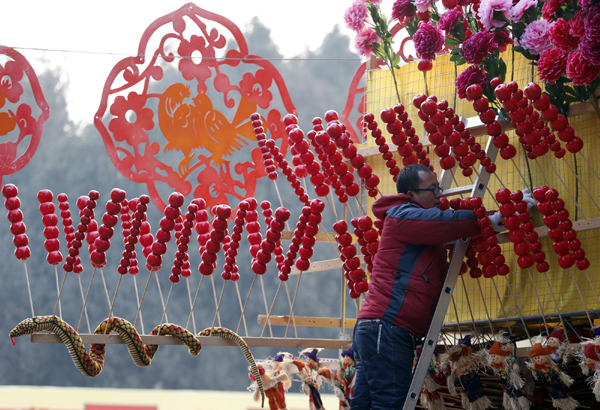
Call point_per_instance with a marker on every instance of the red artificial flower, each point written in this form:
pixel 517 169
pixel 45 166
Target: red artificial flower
pixel 560 35
pixel 550 7
pixel 471 75
pixel 478 46
pixel 580 70
pixel 428 41
pixel 552 64
pixel 576 24
pixel 590 43
pixel 504 39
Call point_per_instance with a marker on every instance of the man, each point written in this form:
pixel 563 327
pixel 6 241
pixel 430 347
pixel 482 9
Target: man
pixel 408 274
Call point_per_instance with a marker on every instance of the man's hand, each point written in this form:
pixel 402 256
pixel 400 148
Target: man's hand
pixel 497 221
pixel 528 197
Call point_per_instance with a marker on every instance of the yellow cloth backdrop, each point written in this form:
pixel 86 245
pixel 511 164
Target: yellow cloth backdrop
pixel 522 292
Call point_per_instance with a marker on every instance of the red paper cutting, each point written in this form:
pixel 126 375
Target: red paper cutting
pixel 179 113
pixel 18 120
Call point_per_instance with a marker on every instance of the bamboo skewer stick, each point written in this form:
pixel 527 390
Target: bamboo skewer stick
pixel 164 315
pixel 270 310
pixel 110 311
pixel 246 304
pixel 583 185
pixel 194 303
pixel 162 301
pixel 189 292
pixel 487 313
pixel 137 299
pixel 57 289
pixel 467 300
pixel 538 300
pixel 287 291
pixel 237 288
pixel 518 306
pixel 139 312
pixel 105 287
pixel 84 309
pixel 293 304
pixel 212 279
pixel 501 304
pixel 58 299
pixel 262 285
pixel 581 297
pixel 457 317
pixel 218 307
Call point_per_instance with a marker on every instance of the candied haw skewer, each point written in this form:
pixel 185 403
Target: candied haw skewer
pixel 512 221
pixel 273 238
pixel 163 234
pixel 558 122
pixel 353 272
pixel 261 138
pixel 202 225
pixel 86 205
pixel 217 236
pixel 106 231
pixel 51 232
pixel 341 137
pixel 384 149
pixel 234 244
pixel 331 178
pixel 368 238
pixel 254 236
pixel 67 221
pixel 181 256
pixel 296 137
pixel 492 126
pixel 139 228
pixel 410 132
pixel 292 252
pixel 443 138
pixel 126 231
pixel 564 237
pixel 310 231
pixel 15 217
pixel 398 137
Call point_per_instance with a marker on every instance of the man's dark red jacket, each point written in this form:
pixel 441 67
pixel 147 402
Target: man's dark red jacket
pixel 411 262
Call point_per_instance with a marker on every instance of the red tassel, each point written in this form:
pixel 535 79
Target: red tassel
pixel 13 341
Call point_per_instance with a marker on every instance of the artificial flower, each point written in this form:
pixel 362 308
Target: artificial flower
pixel 580 70
pixel 535 39
pixel 560 35
pixel 356 15
pixel 549 8
pixel 577 25
pixel 519 9
pixel 584 4
pixel 448 19
pixel 471 75
pixel 364 41
pixel 590 44
pixel 428 41
pixel 504 39
pixel 403 10
pixel 552 64
pixel 478 46
pixel 488 9
pixel 423 6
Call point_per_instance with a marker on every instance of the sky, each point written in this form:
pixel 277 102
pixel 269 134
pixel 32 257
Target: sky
pixel 91 37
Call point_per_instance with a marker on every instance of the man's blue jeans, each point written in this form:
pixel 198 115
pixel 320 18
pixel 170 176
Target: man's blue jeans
pixel 384 360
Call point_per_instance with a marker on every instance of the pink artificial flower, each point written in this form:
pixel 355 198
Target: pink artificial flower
pixel 478 46
pixel 364 41
pixel 535 39
pixel 375 2
pixel 423 6
pixel 487 9
pixel 428 41
pixel 561 37
pixel 549 8
pixel 356 15
pixel 584 4
pixel 403 10
pixel 519 9
pixel 448 19
pixel 590 44
pixel 580 70
pixel 552 64
pixel 471 75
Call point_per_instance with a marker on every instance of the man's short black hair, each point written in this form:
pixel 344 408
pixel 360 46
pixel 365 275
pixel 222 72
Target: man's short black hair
pixel 408 178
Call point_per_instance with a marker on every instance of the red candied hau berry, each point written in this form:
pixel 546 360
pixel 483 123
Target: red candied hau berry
pixel 217 236
pixel 50 220
pixel 15 217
